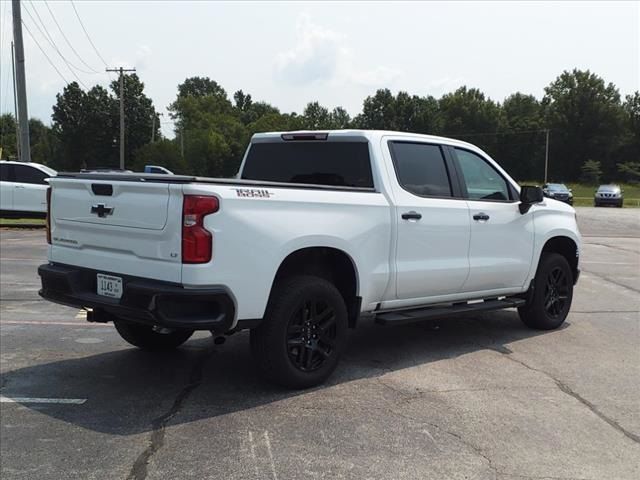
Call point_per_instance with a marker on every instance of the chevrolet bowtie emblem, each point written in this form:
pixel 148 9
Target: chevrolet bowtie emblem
pixel 102 210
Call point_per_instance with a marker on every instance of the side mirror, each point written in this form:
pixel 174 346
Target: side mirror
pixel 529 195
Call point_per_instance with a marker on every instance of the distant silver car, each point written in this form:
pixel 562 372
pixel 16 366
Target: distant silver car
pixel 608 195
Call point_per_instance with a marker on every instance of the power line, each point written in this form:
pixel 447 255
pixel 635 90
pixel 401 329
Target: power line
pixel 44 53
pixel 68 42
pixel 52 43
pixel 475 134
pixel 87 34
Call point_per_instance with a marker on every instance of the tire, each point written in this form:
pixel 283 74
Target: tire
pixel 303 333
pixel 552 294
pixel 144 337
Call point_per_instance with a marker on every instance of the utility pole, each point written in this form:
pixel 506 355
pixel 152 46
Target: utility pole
pixel 23 116
pixel 153 125
pixel 121 71
pixel 546 158
pixel 15 101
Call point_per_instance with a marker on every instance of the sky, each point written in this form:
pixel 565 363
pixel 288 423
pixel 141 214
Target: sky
pixel 289 53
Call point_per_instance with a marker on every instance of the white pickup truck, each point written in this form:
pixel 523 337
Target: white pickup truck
pixel 317 230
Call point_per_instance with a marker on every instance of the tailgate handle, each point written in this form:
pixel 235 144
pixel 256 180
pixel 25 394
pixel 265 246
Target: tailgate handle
pixel 102 189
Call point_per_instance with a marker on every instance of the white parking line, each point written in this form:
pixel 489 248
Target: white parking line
pixel 69 401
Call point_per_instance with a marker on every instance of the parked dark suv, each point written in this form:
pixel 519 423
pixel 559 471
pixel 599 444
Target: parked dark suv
pixel 558 191
pixel 608 195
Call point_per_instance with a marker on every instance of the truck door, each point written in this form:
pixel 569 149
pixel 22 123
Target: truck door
pixel 432 221
pixel 502 238
pixel 30 189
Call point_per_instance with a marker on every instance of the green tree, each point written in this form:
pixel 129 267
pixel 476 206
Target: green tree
pixel 378 111
pixel 521 140
pixel 316 117
pixel 163 152
pixel 629 151
pixel 42 142
pixel 468 111
pixel 339 118
pixel 630 171
pixel 591 171
pixel 586 121
pixel 85 128
pixel 8 137
pixel 41 139
pixel 139 114
pixel 404 112
pixel 467 114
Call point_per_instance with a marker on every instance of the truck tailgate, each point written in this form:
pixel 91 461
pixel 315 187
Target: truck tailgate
pixel 127 227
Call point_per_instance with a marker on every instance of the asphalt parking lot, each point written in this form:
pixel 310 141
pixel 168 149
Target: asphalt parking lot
pixel 473 397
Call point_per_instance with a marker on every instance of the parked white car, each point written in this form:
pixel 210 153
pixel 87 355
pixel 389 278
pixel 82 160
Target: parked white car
pixel 23 188
pixel 319 229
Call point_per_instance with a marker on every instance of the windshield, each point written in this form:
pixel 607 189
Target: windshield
pixel 557 187
pixel 609 188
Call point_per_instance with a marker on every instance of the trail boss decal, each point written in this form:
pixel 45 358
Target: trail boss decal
pixel 253 192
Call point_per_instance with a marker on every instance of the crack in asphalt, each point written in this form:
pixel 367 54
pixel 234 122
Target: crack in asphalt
pixel 156 440
pixel 607 279
pixel 569 391
pixel 410 395
pixel 611 246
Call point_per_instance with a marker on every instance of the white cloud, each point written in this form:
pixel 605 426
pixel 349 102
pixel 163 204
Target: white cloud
pixel 143 53
pixel 322 55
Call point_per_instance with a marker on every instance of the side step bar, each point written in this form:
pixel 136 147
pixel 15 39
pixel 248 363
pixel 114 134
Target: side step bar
pixel 404 317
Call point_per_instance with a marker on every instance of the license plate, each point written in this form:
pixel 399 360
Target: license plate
pixel 109 286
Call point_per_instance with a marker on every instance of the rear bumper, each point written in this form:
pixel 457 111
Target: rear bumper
pixel 152 302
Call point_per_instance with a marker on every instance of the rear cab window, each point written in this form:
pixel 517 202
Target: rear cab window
pixel 327 163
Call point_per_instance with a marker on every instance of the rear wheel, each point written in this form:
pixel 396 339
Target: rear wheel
pixel 552 295
pixel 148 338
pixel 303 334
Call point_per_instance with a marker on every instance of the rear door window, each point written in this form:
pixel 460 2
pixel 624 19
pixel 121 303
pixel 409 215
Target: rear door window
pixel 421 168
pixel 26 174
pixel 344 164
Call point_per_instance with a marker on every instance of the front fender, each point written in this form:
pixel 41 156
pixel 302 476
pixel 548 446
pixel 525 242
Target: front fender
pixel 551 221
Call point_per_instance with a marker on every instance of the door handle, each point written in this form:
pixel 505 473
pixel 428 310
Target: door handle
pixel 19 186
pixel 411 215
pixel 481 217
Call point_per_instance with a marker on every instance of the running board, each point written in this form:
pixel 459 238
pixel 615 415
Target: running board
pixel 404 317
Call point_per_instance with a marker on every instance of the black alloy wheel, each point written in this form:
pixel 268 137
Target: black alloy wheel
pixel 311 335
pixel 556 292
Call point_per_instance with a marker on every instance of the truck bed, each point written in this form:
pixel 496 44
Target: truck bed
pixel 162 178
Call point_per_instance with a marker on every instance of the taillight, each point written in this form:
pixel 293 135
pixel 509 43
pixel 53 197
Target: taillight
pixel 197 242
pixel 48 215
